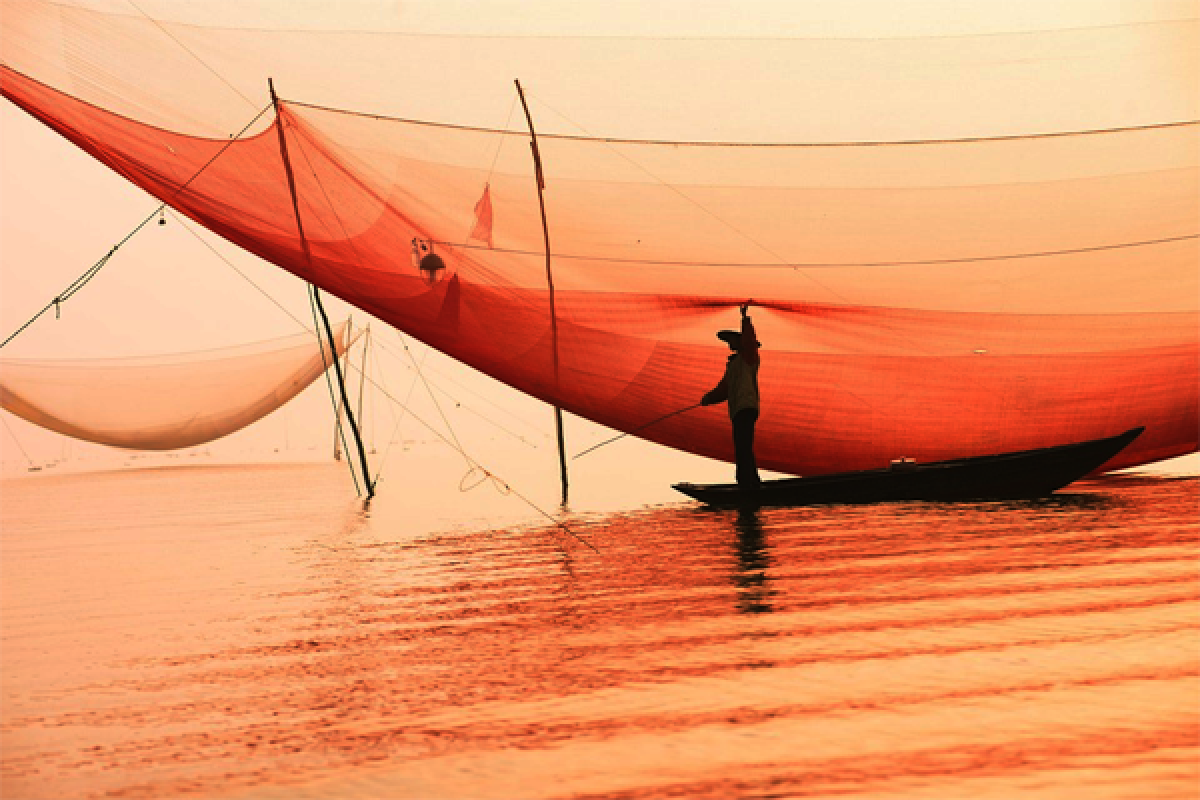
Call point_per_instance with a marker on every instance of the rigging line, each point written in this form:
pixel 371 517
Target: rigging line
pixel 489 421
pixel 477 465
pixel 379 342
pixel 429 390
pixel 4 419
pixel 512 106
pixel 420 374
pixel 836 264
pixel 400 417
pixel 329 385
pixel 651 37
pixel 189 51
pixel 636 430
pixel 686 143
pixel 91 271
pixel 66 294
pixel 183 221
pixel 688 198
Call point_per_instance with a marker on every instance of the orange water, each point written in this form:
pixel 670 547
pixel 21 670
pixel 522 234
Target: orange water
pixel 247 631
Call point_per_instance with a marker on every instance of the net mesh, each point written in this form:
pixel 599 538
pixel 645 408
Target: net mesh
pixel 941 285
pixel 165 402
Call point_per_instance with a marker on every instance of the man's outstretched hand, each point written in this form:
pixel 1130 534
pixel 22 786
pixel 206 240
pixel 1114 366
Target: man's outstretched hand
pixel 745 307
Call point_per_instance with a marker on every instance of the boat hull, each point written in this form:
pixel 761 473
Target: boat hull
pixel 1006 476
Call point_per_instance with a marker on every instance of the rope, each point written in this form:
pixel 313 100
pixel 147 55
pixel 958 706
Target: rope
pixel 387 451
pixel 93 270
pixel 187 227
pixel 635 430
pixel 16 440
pixel 497 480
pixel 685 143
pixel 432 397
pixel 188 50
pixel 447 379
pixel 487 182
pixel 832 264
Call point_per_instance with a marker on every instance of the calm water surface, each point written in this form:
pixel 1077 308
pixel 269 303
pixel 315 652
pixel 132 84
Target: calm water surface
pixel 249 632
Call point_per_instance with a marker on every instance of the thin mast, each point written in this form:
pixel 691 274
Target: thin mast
pixel 362 373
pixel 541 185
pixel 337 368
pixel 337 433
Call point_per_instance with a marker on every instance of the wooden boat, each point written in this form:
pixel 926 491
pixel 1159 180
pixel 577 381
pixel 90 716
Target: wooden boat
pixel 1023 474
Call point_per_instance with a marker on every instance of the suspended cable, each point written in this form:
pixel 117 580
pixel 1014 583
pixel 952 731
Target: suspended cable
pixel 495 478
pixel 185 224
pixel 17 441
pixel 189 51
pixel 832 264
pixel 436 404
pixel 93 270
pixel 444 377
pixel 636 430
pixel 658 37
pixel 387 451
pixel 487 181
pixel 686 143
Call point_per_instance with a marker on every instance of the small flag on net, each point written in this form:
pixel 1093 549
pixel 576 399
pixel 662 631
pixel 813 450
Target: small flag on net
pixel 483 217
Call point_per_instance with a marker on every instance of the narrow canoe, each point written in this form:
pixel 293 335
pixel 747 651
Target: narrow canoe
pixel 1006 476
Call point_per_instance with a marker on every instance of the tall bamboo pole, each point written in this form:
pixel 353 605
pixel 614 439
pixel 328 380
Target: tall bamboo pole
pixel 541 186
pixel 337 367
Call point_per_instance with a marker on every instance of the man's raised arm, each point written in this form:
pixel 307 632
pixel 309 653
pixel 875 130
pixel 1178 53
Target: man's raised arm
pixel 749 346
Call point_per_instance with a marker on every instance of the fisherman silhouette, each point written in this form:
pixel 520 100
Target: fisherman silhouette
pixel 739 386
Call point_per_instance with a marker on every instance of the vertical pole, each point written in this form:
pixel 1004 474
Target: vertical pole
pixel 541 185
pixel 337 434
pixel 337 367
pixel 362 373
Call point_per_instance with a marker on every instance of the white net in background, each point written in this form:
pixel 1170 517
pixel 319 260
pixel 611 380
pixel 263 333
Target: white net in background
pixel 165 402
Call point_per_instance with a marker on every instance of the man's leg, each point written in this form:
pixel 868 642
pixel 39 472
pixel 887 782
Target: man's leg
pixel 743 447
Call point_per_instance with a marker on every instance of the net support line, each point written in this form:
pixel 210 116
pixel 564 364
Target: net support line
pixel 369 485
pixel 541 186
pixel 91 272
